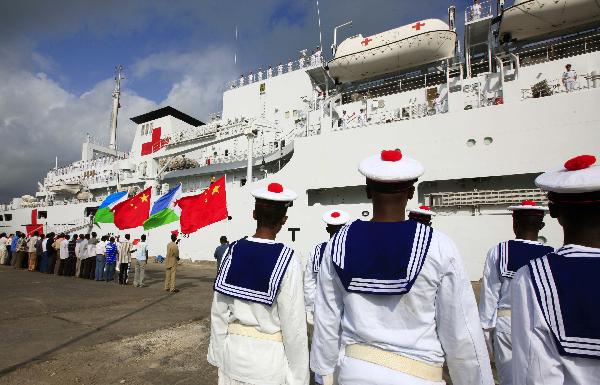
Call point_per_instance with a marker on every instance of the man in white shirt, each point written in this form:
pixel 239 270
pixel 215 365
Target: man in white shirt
pixel 502 262
pixel 555 317
pixel 100 259
pixel 63 254
pixel 124 259
pixel 569 78
pixel 476 10
pixel 258 325
pixel 393 301
pixel 141 258
pixel 31 251
pixel 81 254
pixel 290 65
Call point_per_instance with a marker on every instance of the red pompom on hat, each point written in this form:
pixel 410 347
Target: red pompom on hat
pixel 391 155
pixel 336 218
pixel 528 202
pixel 275 188
pixel 580 162
pixel 335 214
pixel 425 208
pixel 175 232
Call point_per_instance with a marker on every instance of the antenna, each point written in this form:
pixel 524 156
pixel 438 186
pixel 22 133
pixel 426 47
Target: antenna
pixel 235 51
pixel 115 108
pixel 334 45
pixel 319 20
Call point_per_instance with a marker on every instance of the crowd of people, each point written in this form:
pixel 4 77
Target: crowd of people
pixel 391 303
pixel 108 258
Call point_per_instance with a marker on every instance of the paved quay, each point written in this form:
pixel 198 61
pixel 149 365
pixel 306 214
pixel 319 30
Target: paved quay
pixel 63 330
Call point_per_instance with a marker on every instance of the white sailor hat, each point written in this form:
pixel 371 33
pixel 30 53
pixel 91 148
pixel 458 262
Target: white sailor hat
pixel 578 175
pixel 275 192
pixel 336 217
pixel 422 210
pixel 528 204
pixel 391 166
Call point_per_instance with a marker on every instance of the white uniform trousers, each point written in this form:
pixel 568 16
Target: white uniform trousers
pixel 358 372
pixel 225 380
pixel 503 350
pixel 570 85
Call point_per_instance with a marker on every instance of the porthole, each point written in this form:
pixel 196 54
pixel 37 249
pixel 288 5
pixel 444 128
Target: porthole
pixel 488 140
pixel 542 239
pixel 365 213
pixel 471 142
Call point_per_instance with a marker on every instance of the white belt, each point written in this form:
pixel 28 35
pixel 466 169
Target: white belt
pixel 504 313
pixel 250 331
pixel 395 362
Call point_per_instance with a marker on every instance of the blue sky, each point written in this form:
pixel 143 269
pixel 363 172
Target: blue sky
pixel 58 58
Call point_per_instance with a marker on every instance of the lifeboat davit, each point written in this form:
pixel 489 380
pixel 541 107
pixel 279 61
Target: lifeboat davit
pixel 423 42
pixel 532 18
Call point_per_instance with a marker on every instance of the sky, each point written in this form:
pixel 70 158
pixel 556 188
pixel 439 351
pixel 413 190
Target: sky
pixel 57 61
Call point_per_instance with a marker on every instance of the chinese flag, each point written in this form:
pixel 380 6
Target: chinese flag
pixel 198 211
pixel 134 211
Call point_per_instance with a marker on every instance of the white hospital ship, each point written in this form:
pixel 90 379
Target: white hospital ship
pixel 485 116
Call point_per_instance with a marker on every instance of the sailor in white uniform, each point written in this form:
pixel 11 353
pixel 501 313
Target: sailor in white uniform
pixel 258 324
pixel 438 104
pixel 289 65
pixel 393 301
pixel 555 312
pixel 260 74
pixel 334 219
pixel 569 78
pixel 280 69
pixel 250 77
pixel 501 264
pixel 362 118
pixel 421 214
pixel 269 72
pixel 241 80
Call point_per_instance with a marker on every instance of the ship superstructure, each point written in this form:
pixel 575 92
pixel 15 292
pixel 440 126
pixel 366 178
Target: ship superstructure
pixel 485 119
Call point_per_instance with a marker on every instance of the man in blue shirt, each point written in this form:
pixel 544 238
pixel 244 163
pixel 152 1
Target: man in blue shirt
pixel 13 248
pixel 112 252
pixel 220 250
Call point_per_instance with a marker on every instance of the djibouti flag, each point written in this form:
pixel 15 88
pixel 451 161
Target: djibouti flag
pixel 164 209
pixel 104 213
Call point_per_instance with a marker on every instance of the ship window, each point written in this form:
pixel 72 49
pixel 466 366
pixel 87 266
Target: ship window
pixel 42 215
pixel 89 211
pixel 488 140
pixel 1 218
pixel 295 113
pixel 8 217
pixel 471 142
pixel 287 114
pixel 226 152
pixel 276 144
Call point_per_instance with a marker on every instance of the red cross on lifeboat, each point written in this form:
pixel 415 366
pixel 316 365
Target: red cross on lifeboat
pixel 418 25
pixel 156 143
pixel 366 41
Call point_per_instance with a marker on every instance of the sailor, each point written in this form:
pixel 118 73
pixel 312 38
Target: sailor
pixel 241 79
pixel 334 219
pixel 290 65
pixel 421 214
pixel 343 122
pixel 555 328
pixel 260 74
pixel 438 104
pixel 280 69
pixel 501 264
pixel 318 55
pixel 569 78
pixel 269 72
pixel 393 301
pixel 476 10
pixel 362 117
pixel 250 77
pixel 258 324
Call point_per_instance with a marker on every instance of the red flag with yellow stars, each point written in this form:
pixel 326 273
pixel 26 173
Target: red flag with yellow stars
pixel 134 211
pixel 198 211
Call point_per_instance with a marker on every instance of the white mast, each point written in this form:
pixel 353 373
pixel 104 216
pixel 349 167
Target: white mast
pixel 115 108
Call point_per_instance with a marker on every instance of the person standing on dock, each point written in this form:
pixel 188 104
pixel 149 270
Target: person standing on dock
pixel 31 250
pixel 393 301
pixel 502 262
pixel 334 221
pixel 141 258
pixel 258 325
pixel 112 253
pixel 555 328
pixel 124 259
pixel 220 250
pixel 171 264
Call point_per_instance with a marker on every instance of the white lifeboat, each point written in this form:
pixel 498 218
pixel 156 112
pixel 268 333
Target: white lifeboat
pixel 532 18
pixel 409 46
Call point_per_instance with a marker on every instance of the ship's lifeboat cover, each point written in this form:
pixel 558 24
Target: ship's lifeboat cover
pixel 412 45
pixel 528 19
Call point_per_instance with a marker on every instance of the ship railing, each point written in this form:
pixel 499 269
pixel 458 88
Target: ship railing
pixel 484 197
pixel 259 75
pixel 559 49
pixel 478 11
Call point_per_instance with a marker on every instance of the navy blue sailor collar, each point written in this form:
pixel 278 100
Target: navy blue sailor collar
pixel 253 269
